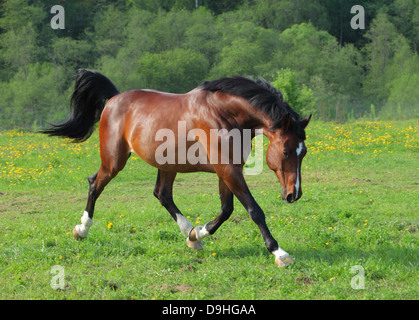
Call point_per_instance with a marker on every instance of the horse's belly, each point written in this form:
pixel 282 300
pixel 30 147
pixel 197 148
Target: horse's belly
pixel 176 166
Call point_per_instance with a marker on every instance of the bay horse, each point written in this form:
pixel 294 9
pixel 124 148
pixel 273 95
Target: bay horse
pixel 129 122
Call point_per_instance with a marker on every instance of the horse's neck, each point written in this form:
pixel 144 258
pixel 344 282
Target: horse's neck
pixel 235 112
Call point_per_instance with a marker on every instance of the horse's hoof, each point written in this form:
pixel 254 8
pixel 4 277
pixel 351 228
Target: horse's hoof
pixel 196 245
pixel 76 235
pixel 284 261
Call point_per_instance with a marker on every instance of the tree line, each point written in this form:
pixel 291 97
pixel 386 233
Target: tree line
pixel 306 48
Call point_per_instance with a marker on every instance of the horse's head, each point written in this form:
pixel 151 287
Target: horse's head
pixel 285 154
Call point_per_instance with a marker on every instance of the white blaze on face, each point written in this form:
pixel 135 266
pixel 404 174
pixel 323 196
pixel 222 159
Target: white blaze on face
pixel 299 149
pixel 297 184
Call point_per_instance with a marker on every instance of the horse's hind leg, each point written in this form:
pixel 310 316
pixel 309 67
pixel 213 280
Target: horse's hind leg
pixel 80 231
pixel 97 182
pixel 164 192
pixel 226 197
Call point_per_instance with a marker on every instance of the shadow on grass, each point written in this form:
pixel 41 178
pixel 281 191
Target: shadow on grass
pixel 386 256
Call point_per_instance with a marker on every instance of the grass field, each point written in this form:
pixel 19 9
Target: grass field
pixel 359 212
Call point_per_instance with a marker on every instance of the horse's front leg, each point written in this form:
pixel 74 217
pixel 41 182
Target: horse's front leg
pixel 234 180
pixel 226 197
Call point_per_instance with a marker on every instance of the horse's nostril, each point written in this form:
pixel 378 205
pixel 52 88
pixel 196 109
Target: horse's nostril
pixel 290 198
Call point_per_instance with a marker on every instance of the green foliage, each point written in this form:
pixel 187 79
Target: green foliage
pixel 169 45
pixel 305 49
pixel 247 50
pixel 403 95
pixel 70 53
pixel 19 48
pixel 403 99
pixel 177 70
pixel 109 25
pixel 380 50
pixel 333 72
pixel 31 95
pixel 372 108
pixel 300 97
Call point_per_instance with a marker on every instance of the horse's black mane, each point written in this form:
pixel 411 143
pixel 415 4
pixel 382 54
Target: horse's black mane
pixel 262 96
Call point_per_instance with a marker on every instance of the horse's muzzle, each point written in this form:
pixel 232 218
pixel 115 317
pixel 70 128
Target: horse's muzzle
pixel 292 197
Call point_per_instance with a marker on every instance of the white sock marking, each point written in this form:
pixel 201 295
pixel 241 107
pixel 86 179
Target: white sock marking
pixel 201 233
pixel 279 253
pixel 184 224
pixel 83 228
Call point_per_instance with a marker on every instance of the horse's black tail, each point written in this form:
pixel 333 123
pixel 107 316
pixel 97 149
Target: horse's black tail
pixel 91 92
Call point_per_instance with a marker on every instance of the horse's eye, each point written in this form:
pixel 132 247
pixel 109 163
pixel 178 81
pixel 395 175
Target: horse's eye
pixel 286 154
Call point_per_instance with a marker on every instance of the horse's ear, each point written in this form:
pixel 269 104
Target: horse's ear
pixel 285 122
pixel 306 121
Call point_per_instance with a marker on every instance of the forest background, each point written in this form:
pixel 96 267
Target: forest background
pixel 307 48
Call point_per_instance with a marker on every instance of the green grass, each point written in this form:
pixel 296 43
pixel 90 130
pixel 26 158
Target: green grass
pixel 359 208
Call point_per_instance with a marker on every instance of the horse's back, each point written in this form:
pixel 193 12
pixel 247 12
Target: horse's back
pixel 138 108
pixel 133 120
